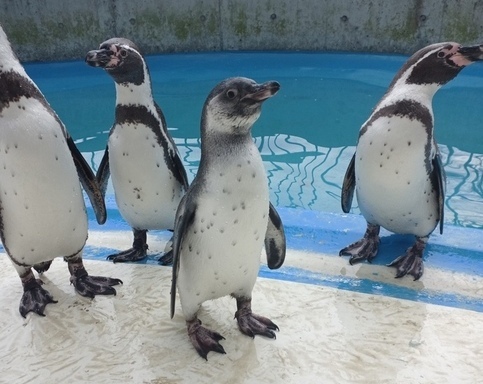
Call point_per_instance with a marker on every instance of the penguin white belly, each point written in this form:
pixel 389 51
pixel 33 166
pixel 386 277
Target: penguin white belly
pixel 221 253
pixel 43 211
pixel 147 193
pixel 392 183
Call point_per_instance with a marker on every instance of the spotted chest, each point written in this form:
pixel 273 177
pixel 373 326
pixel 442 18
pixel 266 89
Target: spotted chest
pixel 43 212
pixel 221 253
pixel 393 185
pixel 147 192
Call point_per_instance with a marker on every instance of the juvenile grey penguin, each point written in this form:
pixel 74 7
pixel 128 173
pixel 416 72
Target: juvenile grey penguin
pixel 42 214
pixel 396 170
pixel 141 157
pixel 226 216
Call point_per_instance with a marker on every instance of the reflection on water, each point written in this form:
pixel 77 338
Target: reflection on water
pixel 307 176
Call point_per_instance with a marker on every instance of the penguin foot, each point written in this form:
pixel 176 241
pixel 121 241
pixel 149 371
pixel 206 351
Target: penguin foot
pixel 203 339
pixel 364 249
pixel 90 286
pixel 166 259
pixel 251 324
pixel 411 263
pixel 132 254
pixel 34 298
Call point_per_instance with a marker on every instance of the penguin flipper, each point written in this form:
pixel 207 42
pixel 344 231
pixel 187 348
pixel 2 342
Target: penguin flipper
pixel 439 177
pixel 178 169
pixel 275 243
pixel 184 218
pixel 88 181
pixel 177 165
pixel 348 186
pixel 104 172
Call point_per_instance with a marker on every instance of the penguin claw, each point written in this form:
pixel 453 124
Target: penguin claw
pixel 411 263
pixel 166 259
pixel 132 255
pixel 90 286
pixel 251 324
pixel 408 264
pixel 364 249
pixel 204 340
pixel 35 299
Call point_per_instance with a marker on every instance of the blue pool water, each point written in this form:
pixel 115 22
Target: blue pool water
pixel 306 134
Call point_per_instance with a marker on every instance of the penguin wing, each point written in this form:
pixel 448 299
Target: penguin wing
pixel 177 166
pixel 104 172
pixel 88 181
pixel 439 183
pixel 348 186
pixel 178 169
pixel 184 218
pixel 275 244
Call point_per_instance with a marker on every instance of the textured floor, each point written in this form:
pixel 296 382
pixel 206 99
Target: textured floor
pixel 327 334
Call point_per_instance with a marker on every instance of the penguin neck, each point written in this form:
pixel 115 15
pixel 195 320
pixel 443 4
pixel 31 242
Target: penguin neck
pixel 221 148
pixel 132 94
pixel 421 93
pixel 403 88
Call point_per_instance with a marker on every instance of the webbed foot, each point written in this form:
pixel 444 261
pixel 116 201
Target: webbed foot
pixel 364 249
pixel 132 254
pixel 90 286
pixel 34 298
pixel 203 339
pixel 411 263
pixel 166 259
pixel 136 253
pixel 251 324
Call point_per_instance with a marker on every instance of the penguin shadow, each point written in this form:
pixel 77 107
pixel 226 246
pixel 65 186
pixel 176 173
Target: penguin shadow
pixel 62 292
pixel 392 246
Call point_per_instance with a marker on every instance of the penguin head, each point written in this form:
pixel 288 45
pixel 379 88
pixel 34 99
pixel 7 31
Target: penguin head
pixel 234 105
pixel 435 64
pixel 121 58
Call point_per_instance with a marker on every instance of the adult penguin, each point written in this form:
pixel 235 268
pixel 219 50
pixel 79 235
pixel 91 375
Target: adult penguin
pixel 43 215
pixel 397 171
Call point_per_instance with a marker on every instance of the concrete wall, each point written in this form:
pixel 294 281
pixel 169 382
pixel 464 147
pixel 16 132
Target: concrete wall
pixel 66 29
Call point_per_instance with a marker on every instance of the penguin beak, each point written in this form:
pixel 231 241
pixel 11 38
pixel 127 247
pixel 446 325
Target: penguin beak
pixel 472 53
pixel 98 58
pixel 263 91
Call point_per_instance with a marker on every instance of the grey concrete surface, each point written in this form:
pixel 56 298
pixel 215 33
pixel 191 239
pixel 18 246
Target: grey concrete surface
pixel 44 30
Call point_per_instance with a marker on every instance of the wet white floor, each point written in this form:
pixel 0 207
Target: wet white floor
pixel 326 335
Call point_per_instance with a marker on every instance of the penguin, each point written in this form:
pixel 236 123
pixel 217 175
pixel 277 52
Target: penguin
pixel 396 170
pixel 226 216
pixel 141 157
pixel 42 215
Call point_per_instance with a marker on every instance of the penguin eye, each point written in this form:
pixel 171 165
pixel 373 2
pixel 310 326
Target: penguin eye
pixel 231 93
pixel 123 53
pixel 441 54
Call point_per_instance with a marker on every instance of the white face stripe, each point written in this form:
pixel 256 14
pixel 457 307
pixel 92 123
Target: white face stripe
pixel 421 93
pixel 405 75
